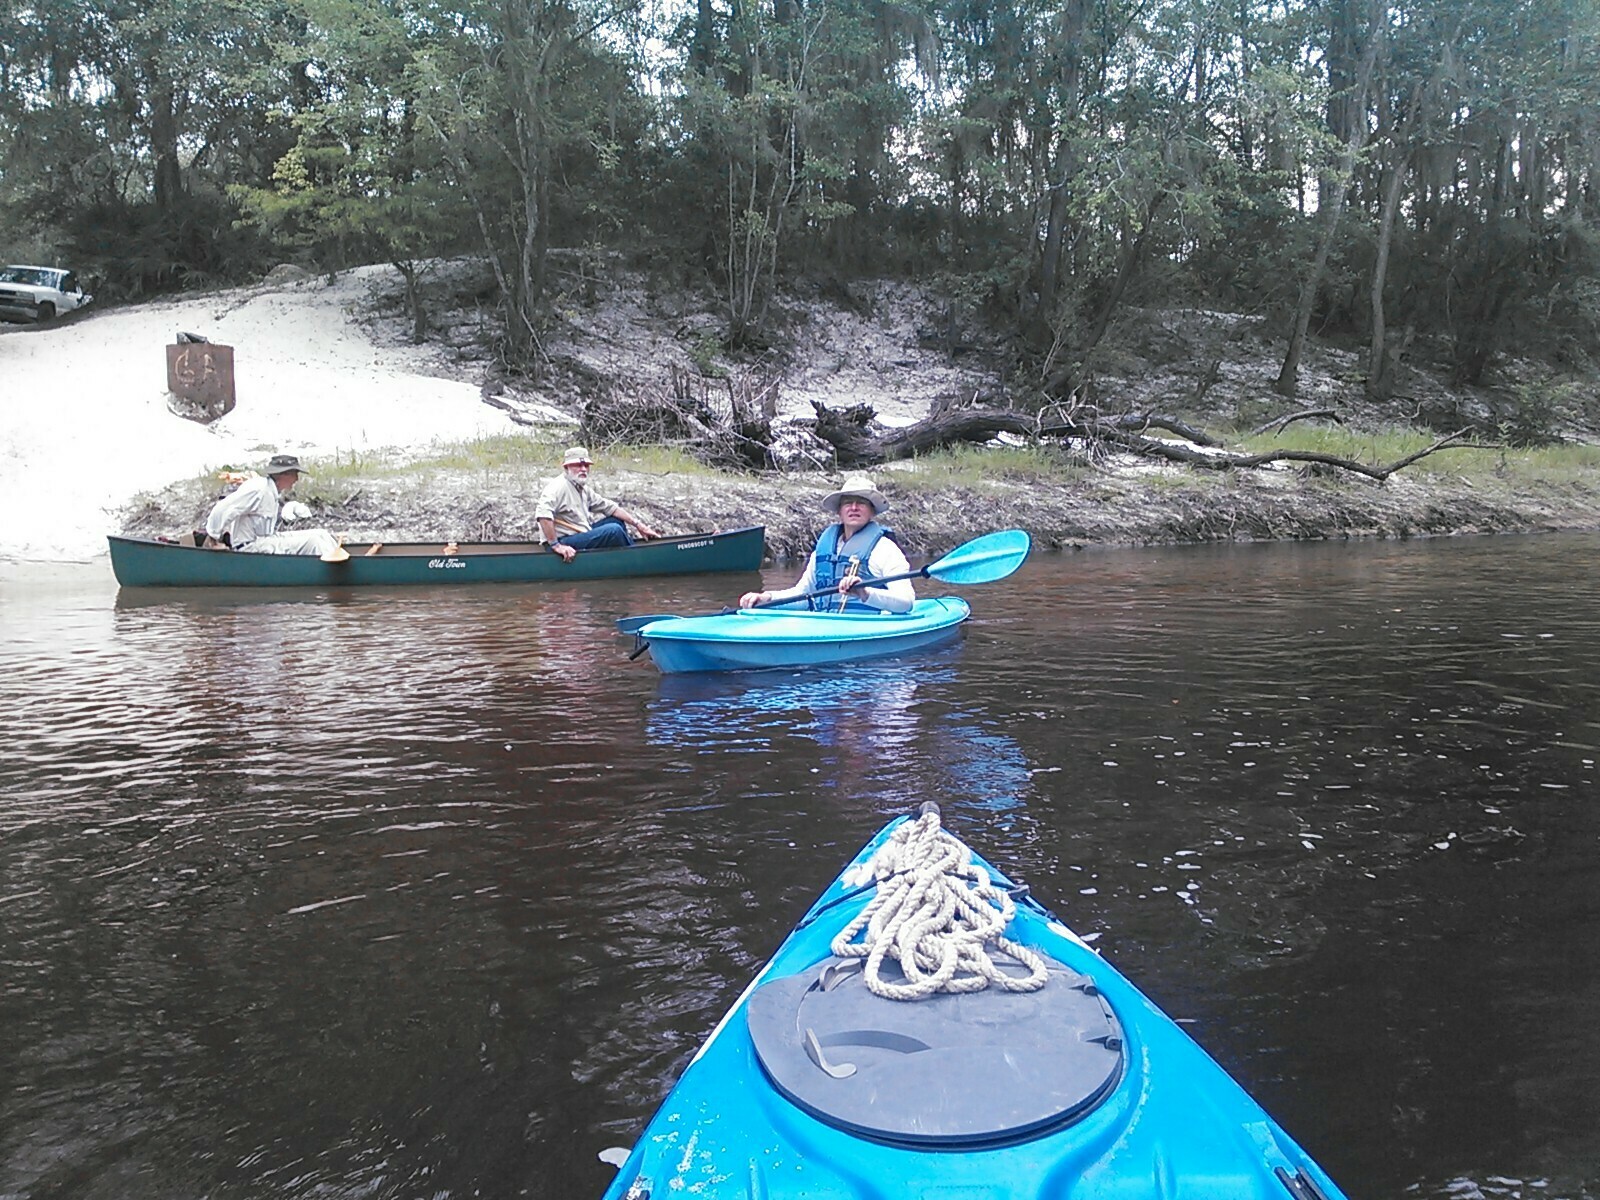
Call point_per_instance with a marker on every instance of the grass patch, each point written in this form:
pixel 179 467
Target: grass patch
pixel 1570 463
pixel 1567 463
pixel 522 455
pixel 1379 447
pixel 1373 447
pixel 972 466
pixel 650 460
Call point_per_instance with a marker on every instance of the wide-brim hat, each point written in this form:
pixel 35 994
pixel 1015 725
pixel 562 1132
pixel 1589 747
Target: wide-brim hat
pixel 577 454
pixel 856 485
pixel 282 464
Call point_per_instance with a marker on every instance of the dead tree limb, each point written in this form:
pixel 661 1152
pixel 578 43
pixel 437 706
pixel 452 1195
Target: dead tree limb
pixel 1230 462
pixel 1138 422
pixel 859 443
pixel 1305 414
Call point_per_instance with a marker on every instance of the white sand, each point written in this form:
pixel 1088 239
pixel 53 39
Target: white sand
pixel 84 423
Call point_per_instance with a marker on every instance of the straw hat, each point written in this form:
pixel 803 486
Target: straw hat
pixel 856 485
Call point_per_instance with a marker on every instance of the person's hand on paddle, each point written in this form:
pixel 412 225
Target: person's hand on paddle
pixel 753 599
pixel 852 579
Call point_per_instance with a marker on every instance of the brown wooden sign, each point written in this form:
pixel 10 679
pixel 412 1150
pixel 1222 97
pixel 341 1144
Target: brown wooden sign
pixel 201 375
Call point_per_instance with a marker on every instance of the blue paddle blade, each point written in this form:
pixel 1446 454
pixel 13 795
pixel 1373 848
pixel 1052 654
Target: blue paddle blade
pixel 983 559
pixel 634 624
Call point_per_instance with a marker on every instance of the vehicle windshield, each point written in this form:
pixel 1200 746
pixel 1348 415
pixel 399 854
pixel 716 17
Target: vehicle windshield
pixel 33 276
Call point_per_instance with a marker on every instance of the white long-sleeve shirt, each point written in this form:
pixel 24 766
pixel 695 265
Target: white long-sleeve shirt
pixel 248 512
pixel 886 559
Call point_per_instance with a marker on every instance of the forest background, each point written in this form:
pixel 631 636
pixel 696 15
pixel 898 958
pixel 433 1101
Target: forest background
pixel 1415 181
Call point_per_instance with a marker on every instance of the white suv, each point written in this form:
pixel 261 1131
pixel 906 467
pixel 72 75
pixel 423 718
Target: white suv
pixel 39 293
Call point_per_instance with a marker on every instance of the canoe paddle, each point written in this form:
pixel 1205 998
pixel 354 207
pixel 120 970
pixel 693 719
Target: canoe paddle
pixel 982 560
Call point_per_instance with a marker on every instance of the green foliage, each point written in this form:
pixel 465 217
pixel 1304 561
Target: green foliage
pixel 1050 162
pixel 703 352
pixel 1534 412
pixel 121 121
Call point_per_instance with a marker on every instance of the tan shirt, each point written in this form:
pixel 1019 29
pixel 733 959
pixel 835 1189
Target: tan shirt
pixel 572 508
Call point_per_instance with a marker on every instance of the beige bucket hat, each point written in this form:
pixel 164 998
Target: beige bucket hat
pixel 857 485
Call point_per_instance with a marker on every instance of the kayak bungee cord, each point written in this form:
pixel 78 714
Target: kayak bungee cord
pixel 936 913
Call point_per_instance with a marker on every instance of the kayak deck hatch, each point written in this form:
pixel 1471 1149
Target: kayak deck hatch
pixel 952 1070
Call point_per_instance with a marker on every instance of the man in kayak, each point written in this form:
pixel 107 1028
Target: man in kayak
pixel 856 548
pixel 247 518
pixel 568 507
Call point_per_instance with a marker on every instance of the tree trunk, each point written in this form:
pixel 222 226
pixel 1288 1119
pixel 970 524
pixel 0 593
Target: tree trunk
pixel 1064 163
pixel 1288 381
pixel 1380 382
pixel 412 274
pixel 168 178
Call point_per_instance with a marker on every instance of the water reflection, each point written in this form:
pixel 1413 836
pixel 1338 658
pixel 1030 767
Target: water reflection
pixel 891 732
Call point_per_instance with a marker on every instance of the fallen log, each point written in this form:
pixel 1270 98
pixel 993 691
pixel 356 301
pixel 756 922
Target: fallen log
pixel 859 442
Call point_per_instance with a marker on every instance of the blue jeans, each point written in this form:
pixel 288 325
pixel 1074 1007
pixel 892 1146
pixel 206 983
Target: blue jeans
pixel 609 532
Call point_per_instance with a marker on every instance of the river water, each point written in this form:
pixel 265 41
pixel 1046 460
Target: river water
pixel 432 893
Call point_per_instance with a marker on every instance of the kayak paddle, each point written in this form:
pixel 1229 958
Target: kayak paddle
pixel 634 624
pixel 982 560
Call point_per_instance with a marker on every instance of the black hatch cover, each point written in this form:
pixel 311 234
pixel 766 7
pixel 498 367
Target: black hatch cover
pixel 950 1069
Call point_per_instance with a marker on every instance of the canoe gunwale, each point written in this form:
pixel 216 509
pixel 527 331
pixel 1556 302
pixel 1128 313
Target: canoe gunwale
pixel 151 562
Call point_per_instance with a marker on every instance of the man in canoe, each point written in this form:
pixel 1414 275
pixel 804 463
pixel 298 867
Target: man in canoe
pixel 856 548
pixel 247 518
pixel 568 508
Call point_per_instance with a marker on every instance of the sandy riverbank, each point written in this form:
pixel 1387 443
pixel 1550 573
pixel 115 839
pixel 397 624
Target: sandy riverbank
pixel 89 446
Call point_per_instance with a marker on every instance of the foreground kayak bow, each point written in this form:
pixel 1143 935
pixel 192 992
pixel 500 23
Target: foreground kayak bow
pixel 1056 1079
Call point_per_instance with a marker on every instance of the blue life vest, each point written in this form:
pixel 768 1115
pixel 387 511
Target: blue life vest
pixel 833 560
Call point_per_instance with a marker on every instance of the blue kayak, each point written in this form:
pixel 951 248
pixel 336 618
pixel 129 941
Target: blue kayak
pixel 816 1085
pixel 755 638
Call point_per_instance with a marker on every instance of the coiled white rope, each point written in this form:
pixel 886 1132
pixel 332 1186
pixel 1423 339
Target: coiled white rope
pixel 936 913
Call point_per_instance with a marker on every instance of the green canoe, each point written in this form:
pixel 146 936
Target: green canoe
pixel 148 562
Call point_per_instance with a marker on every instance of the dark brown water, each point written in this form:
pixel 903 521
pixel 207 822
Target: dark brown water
pixel 431 893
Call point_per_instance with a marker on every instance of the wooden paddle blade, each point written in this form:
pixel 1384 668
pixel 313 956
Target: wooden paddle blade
pixel 983 559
